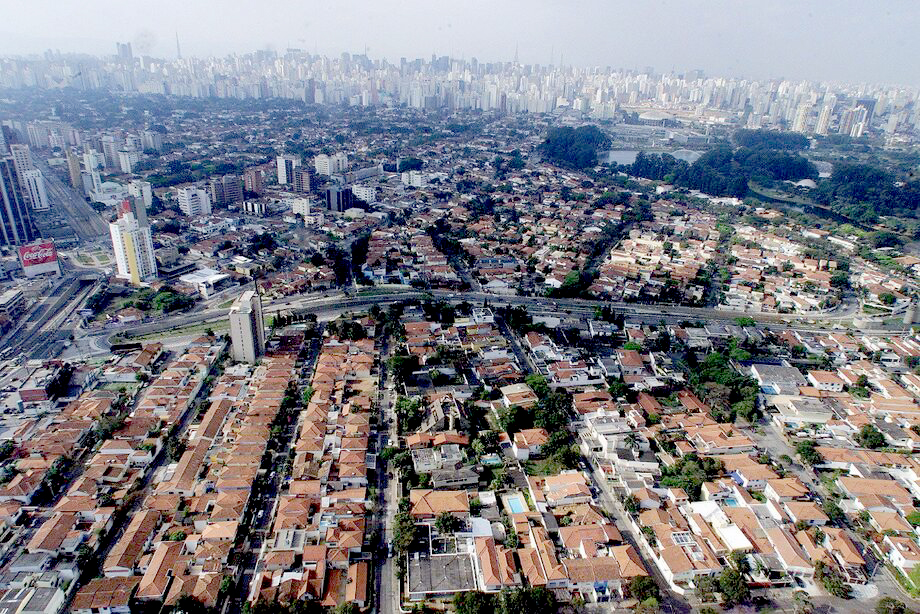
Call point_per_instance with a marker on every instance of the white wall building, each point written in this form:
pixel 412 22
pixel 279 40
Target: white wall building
pixel 365 192
pixel 330 165
pixel 286 166
pixel 247 329
pixel 35 186
pixel 133 247
pixel 142 191
pixel 194 201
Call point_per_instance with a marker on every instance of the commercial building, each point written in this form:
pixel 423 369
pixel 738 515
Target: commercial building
pixel 366 193
pixel 132 242
pixel 247 330
pixel 15 221
pixel 194 201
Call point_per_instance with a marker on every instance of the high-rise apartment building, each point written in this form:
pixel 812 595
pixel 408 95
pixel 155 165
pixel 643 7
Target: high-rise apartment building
pixel 824 120
pixel 286 166
pixel 31 180
pixel 15 221
pixel 303 181
pixel 73 169
pixel 194 201
pixel 330 165
pixel 252 181
pixel 247 330
pixel 152 140
pixel 132 242
pixel 141 191
pixel 34 183
pixel 226 190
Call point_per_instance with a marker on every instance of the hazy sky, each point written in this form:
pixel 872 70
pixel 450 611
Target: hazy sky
pixel 845 40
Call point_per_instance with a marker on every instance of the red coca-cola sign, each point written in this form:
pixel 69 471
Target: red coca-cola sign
pixel 38 253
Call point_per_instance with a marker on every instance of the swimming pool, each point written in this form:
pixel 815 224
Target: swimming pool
pixel 517 505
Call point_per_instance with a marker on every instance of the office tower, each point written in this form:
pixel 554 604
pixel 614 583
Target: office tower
pixel 194 201
pixel 824 120
pixel 124 52
pixel 302 180
pixel 141 191
pixel 34 183
pixel 132 242
pixel 330 165
pixel 247 330
pixel 339 199
pixel 252 180
pixel 226 190
pixel 73 169
pixel 15 221
pixel 286 166
pixel 152 140
pixel 4 146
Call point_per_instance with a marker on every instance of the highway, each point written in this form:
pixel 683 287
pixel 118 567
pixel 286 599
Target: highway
pixel 583 307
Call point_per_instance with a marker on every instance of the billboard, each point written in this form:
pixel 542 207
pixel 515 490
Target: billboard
pixel 39 258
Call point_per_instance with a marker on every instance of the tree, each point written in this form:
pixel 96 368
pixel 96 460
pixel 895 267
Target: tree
pixel 890 605
pixel 404 532
pixel 644 587
pixel 802 602
pixel 870 437
pixel 705 588
pixel 447 523
pixel 832 581
pixel 807 451
pixel 538 384
pixel 833 511
pixel 740 562
pixel 733 587
pixel 474 602
pixel 914 518
pixel 347 607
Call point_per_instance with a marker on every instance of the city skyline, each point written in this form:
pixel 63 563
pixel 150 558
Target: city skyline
pixel 804 42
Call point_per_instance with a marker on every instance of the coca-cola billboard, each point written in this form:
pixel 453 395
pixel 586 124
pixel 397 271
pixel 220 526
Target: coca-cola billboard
pixel 39 258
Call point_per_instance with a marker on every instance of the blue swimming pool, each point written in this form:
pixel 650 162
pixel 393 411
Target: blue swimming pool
pixel 517 505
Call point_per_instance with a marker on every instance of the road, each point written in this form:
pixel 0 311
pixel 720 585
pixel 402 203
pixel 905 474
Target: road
pixel 771 440
pixel 650 313
pixel 73 208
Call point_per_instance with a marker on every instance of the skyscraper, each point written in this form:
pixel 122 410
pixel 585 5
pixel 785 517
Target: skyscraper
pixel 132 242
pixel 247 329
pixel 15 221
pixel 142 191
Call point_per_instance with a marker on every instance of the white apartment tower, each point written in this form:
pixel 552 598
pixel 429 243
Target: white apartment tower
pixel 35 188
pixel 132 242
pixel 330 165
pixel 824 120
pixel 247 330
pixel 194 201
pixel 286 166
